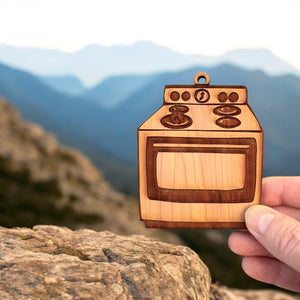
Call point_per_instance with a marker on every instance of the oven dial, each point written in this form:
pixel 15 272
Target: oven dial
pixel 175 96
pixel 202 95
pixel 222 97
pixel 186 96
pixel 233 97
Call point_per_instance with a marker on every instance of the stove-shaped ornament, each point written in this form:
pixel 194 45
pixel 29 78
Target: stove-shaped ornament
pixel 200 158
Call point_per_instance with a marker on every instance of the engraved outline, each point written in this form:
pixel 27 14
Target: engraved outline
pixel 238 122
pixel 233 113
pixel 243 195
pixel 206 92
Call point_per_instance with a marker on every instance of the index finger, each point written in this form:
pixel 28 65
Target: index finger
pixel 281 191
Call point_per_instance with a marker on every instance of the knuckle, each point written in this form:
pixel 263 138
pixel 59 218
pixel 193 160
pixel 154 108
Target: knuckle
pixel 289 243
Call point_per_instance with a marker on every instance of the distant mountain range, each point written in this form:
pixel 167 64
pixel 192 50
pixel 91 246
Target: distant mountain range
pixel 94 63
pixel 107 131
pixel 67 84
pixel 75 121
pixel 114 90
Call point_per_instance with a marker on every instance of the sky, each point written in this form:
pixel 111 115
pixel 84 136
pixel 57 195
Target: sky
pixel 210 27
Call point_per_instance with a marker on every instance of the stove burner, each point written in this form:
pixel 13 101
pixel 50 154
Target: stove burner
pixel 227 110
pixel 228 122
pixel 177 119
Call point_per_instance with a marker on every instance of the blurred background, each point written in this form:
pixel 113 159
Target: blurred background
pixel 78 77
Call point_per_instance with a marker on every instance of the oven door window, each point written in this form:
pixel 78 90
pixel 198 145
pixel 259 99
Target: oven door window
pixel 201 169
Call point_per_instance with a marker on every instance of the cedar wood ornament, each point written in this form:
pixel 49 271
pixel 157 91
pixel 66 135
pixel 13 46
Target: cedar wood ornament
pixel 200 158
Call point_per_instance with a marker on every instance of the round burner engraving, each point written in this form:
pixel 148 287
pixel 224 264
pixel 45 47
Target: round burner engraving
pixel 177 119
pixel 227 110
pixel 180 109
pixel 228 122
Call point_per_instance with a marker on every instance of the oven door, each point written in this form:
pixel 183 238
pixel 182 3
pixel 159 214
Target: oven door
pixel 201 170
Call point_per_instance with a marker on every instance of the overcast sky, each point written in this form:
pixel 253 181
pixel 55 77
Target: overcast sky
pixel 209 27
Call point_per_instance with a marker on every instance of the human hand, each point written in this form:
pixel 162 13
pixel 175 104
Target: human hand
pixel 271 248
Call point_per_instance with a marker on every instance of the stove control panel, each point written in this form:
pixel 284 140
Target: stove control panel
pixel 204 93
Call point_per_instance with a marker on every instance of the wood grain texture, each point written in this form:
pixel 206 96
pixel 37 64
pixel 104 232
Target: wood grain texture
pixel 204 119
pixel 200 158
pixel 194 225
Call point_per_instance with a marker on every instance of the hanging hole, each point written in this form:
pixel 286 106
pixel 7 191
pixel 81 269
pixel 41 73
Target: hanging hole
pixel 201 78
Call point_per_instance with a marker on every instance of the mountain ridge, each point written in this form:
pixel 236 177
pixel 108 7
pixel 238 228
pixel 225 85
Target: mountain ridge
pixel 94 63
pixel 82 123
pixel 68 84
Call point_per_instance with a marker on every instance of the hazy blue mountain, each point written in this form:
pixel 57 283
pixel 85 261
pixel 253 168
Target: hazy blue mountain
pixel 112 91
pixel 39 103
pixel 103 133
pixel 67 84
pixel 38 61
pixel 94 62
pixel 258 59
pixel 75 121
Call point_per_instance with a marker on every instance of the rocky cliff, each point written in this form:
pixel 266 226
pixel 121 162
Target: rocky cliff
pixel 42 182
pixel 49 262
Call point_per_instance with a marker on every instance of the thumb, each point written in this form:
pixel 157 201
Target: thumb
pixel 278 233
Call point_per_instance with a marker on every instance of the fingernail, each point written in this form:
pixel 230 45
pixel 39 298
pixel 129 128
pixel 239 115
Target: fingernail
pixel 258 218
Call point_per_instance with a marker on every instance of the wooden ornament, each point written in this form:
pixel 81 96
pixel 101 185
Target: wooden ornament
pixel 200 158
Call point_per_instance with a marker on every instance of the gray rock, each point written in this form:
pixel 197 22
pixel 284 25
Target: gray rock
pixel 52 262
pixel 218 292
